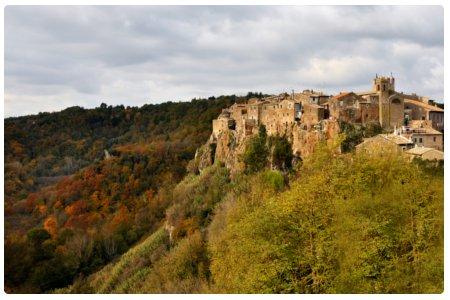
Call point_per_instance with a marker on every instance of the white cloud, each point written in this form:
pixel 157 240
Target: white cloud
pixel 60 56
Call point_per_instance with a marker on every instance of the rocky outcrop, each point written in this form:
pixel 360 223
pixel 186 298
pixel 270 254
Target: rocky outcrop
pixel 228 146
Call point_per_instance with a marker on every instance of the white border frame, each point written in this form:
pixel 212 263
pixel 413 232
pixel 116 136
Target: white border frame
pixel 445 4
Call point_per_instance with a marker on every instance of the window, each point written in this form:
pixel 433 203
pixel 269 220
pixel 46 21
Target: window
pixel 420 140
pixel 434 139
pixel 415 140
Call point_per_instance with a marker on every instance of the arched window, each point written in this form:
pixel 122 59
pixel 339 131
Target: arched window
pixel 396 101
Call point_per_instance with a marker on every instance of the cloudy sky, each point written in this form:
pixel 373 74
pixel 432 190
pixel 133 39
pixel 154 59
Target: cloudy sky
pixel 58 56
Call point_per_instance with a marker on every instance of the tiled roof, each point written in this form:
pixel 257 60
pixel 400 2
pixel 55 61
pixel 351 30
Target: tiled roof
pixel 398 139
pixel 423 105
pixel 420 150
pixel 342 95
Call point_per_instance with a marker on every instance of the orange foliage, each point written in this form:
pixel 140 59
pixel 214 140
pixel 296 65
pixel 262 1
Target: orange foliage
pixel 76 208
pixel 31 202
pixel 122 216
pixel 133 148
pixel 82 221
pixel 57 204
pixel 51 225
pixel 42 209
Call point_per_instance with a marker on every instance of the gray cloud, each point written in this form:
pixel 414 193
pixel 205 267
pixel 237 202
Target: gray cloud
pixel 58 56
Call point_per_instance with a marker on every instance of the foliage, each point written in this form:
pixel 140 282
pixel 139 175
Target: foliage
pixel 57 178
pixel 136 223
pixel 348 224
pixel 281 152
pixel 256 152
pixel 174 262
pixel 355 133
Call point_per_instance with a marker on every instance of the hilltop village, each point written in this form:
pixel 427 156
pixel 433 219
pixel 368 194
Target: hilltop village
pixel 410 123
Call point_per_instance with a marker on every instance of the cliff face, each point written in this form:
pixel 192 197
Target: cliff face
pixel 228 145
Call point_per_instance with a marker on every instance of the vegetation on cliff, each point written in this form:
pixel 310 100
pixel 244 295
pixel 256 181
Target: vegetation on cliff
pixel 345 224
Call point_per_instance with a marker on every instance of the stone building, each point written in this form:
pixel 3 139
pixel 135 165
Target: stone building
pixel 311 116
pixel 390 103
pixel 423 136
pixel 385 142
pixel 352 108
pixel 425 153
pixel 420 109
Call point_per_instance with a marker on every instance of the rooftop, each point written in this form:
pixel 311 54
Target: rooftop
pixel 423 105
pixel 420 150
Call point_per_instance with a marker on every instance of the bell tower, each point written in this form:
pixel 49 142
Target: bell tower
pixel 384 87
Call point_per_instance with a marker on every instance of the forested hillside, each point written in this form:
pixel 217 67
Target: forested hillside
pixel 339 223
pixel 83 185
pixel 132 220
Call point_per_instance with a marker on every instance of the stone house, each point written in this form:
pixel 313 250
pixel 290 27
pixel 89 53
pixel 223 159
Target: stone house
pixel 423 136
pixel 425 153
pixel 419 109
pixel 311 115
pixel 352 108
pixel 385 142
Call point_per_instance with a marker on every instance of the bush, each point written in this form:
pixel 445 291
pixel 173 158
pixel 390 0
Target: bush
pixel 256 152
pixel 274 179
pixel 281 153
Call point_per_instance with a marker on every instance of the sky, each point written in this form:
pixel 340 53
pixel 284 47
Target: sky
pixel 62 56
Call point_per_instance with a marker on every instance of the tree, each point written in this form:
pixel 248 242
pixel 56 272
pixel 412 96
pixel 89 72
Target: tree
pixel 281 153
pixel 256 152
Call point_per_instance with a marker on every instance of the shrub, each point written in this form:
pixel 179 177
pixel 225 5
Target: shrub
pixel 256 152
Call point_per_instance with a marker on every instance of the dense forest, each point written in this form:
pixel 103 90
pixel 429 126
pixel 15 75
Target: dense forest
pixel 337 223
pixel 83 185
pixel 132 220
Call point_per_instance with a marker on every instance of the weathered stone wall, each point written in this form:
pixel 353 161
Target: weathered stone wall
pixel 305 141
pixel 219 125
pixel 435 141
pixel 312 114
pixel 369 113
pixel 396 112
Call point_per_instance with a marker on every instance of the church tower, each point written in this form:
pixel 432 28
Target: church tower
pixel 384 87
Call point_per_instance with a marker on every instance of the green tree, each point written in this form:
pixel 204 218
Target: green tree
pixel 281 153
pixel 256 152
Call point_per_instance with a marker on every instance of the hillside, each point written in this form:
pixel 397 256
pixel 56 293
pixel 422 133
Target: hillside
pixel 347 223
pixel 149 216
pixel 88 183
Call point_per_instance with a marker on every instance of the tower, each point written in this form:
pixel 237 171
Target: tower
pixel 384 87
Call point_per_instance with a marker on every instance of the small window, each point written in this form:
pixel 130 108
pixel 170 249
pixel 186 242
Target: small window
pixel 420 140
pixel 434 139
pixel 415 140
